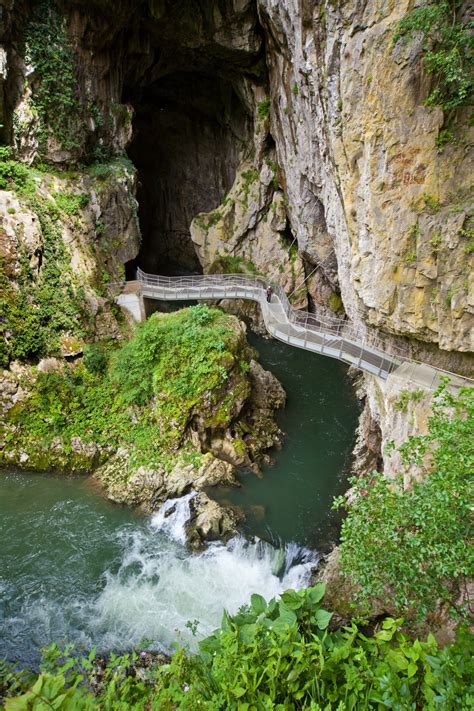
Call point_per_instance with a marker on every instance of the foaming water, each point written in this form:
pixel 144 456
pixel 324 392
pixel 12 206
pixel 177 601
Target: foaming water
pixel 86 578
pixel 159 586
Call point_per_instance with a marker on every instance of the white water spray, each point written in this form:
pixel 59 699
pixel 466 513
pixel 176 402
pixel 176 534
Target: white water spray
pixel 160 586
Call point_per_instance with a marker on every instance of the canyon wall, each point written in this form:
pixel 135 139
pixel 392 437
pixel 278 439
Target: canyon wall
pixel 280 137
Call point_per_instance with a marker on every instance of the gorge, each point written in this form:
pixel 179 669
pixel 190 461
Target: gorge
pixel 323 147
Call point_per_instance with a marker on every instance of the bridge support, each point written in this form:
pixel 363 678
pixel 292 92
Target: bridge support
pixel 132 302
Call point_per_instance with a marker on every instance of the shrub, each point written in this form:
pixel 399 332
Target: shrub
pixel 413 545
pixel 14 175
pixel 448 51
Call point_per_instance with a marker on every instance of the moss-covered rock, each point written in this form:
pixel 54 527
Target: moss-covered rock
pixel 174 409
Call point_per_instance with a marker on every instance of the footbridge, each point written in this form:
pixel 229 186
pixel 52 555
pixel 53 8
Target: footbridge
pixel 333 337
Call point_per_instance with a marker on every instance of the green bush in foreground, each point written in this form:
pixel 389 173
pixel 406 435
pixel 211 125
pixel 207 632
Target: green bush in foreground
pixel 412 545
pixel 275 655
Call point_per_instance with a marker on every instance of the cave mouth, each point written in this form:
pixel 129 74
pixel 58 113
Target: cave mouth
pixel 190 132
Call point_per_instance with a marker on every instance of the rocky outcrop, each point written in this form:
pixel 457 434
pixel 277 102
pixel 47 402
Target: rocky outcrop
pixel 368 187
pixel 188 438
pixel 283 123
pixel 275 137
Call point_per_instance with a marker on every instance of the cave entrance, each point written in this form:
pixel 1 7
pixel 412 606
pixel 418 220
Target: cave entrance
pixel 190 133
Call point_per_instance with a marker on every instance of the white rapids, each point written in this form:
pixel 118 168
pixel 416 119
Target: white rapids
pixel 160 585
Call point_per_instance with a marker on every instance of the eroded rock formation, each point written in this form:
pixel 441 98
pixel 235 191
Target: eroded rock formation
pixel 281 137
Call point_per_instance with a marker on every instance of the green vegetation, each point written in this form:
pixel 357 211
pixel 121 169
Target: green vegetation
pixel 210 219
pixel 249 177
pixel 467 234
pixel 445 136
pixel 413 234
pixel 450 293
pixel 275 655
pixel 45 302
pixel 407 396
pixel 14 175
pixel 232 264
pixel 141 395
pixel 263 109
pixel 335 303
pixel 431 203
pixel 55 99
pixel 448 51
pixel 412 545
pixel 275 168
pixel 41 306
pixel 71 203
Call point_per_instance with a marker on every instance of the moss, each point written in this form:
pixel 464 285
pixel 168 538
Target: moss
pixel 335 303
pixel 141 396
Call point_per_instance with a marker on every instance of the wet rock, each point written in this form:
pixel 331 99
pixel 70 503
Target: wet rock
pixel 211 521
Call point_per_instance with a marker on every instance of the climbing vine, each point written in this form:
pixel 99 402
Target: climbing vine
pixel 55 98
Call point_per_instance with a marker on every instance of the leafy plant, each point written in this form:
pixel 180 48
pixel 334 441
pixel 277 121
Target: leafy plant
pixel 14 175
pixel 279 654
pixel 412 544
pixel 448 51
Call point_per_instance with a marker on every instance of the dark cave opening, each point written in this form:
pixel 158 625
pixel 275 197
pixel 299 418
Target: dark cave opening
pixel 190 132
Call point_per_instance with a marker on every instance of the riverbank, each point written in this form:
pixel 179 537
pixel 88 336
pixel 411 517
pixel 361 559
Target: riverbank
pixel 177 407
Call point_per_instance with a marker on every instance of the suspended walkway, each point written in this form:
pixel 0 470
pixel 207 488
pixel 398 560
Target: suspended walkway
pixel 333 337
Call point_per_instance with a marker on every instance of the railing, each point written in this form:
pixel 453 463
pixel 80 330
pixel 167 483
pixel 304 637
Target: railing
pixel 317 332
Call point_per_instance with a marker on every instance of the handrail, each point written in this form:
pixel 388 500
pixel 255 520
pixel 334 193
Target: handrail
pixel 317 332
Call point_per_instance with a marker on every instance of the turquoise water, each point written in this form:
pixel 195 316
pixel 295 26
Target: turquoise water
pixel 77 568
pixel 292 499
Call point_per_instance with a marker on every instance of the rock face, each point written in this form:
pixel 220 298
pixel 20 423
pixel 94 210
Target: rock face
pixel 277 137
pixel 365 179
pixel 308 125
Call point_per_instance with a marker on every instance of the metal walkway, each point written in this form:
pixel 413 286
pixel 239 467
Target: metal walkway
pixel 332 337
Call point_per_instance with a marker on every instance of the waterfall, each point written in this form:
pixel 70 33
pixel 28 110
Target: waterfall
pixel 160 585
pixel 173 517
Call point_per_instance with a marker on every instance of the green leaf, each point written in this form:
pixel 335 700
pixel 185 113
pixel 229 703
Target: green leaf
pixel 258 603
pixel 412 669
pixel 322 618
pixel 316 593
pixel 239 691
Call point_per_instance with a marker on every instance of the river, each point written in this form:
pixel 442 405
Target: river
pixel 77 568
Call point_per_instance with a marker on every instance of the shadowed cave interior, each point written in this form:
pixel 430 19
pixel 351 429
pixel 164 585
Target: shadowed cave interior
pixel 190 133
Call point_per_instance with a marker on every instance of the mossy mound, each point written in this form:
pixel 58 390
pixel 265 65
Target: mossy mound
pixel 183 370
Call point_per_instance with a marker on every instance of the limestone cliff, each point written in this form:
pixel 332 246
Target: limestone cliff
pixel 306 118
pixel 281 137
